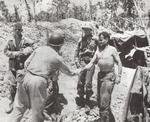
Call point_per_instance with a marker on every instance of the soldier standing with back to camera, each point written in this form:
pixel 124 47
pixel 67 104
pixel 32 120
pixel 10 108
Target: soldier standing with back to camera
pixel 40 67
pixel 17 50
pixel 83 54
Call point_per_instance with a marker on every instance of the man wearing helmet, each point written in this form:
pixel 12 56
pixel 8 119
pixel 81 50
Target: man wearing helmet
pixel 83 54
pixel 43 63
pixel 17 50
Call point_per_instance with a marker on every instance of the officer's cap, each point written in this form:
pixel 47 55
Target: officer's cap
pixel 86 27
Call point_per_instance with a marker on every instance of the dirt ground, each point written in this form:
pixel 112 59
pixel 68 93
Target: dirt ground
pixel 70 111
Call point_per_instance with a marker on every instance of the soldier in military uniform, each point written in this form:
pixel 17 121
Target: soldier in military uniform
pixel 43 63
pixel 17 50
pixel 83 54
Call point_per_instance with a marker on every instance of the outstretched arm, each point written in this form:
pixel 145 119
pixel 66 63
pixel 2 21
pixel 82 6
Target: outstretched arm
pixel 64 68
pixel 77 50
pixel 118 61
pixel 76 56
pixel 140 48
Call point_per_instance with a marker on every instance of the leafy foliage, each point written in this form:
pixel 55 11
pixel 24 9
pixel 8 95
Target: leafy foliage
pixel 111 4
pixel 17 18
pixel 28 10
pixel 5 11
pixel 62 7
pixel 43 16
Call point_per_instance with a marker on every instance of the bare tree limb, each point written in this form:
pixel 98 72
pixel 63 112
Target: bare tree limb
pixel 139 13
pixel 28 10
pixel 132 22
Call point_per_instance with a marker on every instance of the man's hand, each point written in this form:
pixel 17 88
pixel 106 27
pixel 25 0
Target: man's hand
pixel 118 80
pixel 27 50
pixel 87 50
pixel 77 71
pixel 19 53
pixel 148 98
pixel 134 47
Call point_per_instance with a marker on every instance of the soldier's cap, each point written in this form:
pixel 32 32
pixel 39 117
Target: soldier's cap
pixel 86 27
pixel 17 26
pixel 56 38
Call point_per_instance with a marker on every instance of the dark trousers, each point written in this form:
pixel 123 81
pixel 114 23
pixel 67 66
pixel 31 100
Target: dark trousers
pixel 31 94
pixel 105 88
pixel 12 88
pixel 52 95
pixel 84 86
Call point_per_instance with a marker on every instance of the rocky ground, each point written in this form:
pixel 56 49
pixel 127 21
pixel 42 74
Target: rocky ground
pixel 69 112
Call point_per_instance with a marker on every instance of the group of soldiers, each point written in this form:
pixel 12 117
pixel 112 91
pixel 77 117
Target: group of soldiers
pixel 36 70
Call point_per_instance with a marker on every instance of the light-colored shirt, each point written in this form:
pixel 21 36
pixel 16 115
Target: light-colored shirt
pixel 45 61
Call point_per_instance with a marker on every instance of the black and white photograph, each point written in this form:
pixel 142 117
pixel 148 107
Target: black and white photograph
pixel 74 60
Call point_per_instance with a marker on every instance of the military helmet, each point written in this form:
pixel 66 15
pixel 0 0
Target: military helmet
pixel 17 26
pixel 56 38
